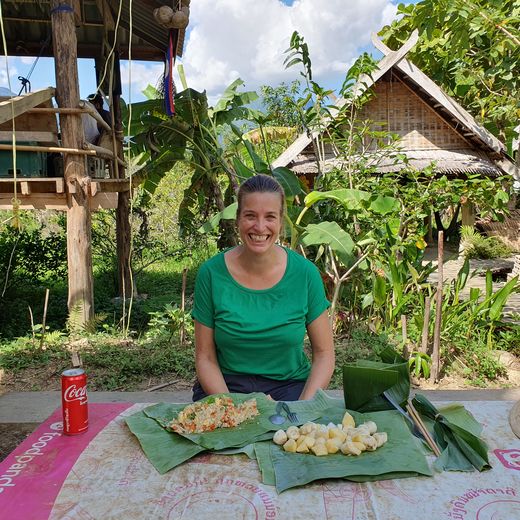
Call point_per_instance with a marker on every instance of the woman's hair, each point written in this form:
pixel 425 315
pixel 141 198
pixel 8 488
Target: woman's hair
pixel 260 183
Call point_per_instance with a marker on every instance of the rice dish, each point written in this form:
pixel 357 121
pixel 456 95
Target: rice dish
pixel 217 412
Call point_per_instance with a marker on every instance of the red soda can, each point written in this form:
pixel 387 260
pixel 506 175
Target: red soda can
pixel 74 401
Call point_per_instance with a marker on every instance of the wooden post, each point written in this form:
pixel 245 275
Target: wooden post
pixel 426 324
pixel 436 357
pixel 79 243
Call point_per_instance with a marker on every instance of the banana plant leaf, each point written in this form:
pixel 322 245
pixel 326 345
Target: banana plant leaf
pixel 164 449
pixel 249 431
pixel 402 456
pixel 364 382
pixel 457 433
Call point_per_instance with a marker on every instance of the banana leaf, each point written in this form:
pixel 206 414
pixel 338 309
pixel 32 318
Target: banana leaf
pixel 402 456
pixel 164 450
pixel 364 382
pixel 457 433
pixel 250 431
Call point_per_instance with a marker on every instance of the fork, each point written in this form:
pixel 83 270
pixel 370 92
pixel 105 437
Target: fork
pixel 290 415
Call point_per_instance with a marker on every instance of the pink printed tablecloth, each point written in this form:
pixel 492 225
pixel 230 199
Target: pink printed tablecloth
pixel 103 474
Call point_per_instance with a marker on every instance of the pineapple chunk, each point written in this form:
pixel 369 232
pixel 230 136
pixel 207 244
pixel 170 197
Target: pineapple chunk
pixel 348 421
pixel 319 449
pixel 371 426
pixel 302 448
pixel 307 428
pixel 336 433
pixel 359 445
pixel 349 448
pixel 290 446
pixel 332 446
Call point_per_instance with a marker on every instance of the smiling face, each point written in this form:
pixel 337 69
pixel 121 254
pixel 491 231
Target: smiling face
pixel 260 221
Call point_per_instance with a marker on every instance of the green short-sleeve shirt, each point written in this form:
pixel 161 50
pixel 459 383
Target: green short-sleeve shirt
pixel 260 332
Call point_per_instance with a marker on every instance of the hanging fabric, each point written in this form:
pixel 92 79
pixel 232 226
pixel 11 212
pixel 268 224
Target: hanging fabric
pixel 169 85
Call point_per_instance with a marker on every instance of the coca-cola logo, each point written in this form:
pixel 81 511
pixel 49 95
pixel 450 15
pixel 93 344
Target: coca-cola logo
pixel 72 393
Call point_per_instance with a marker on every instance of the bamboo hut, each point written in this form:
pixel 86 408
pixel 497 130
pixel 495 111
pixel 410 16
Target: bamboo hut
pixel 432 128
pixel 49 122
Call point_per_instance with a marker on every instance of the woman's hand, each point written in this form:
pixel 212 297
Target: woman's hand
pixel 206 365
pixel 320 335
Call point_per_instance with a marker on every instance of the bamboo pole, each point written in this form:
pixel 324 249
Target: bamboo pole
pixel 434 375
pixel 183 298
pixel 44 319
pixel 55 149
pixel 406 351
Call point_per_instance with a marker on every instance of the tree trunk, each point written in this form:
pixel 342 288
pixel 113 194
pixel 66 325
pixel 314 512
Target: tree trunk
pixel 79 243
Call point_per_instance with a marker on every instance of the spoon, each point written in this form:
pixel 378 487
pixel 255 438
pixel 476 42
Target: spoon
pixel 277 417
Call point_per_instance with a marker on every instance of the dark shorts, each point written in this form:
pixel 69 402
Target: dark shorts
pixel 289 390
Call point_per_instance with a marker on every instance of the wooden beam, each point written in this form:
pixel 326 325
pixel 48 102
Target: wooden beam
pixel 509 167
pixel 79 225
pixel 24 136
pixel 17 105
pixel 56 201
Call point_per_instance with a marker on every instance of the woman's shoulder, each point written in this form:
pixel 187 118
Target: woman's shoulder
pixel 298 261
pixel 216 262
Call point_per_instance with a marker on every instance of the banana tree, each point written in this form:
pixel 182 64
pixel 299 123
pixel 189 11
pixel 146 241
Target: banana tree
pixel 193 135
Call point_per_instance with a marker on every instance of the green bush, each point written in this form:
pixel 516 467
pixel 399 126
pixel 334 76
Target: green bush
pixel 361 344
pixel 475 245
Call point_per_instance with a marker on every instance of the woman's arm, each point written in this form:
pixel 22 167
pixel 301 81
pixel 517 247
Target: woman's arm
pixel 206 365
pixel 320 335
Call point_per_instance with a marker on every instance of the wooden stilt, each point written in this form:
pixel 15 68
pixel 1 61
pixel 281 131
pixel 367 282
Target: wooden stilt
pixel 436 356
pixel 79 248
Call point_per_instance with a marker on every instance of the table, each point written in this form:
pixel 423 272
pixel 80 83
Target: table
pixel 103 474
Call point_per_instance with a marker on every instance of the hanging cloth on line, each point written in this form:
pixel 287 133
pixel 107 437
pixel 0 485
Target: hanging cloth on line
pixel 169 85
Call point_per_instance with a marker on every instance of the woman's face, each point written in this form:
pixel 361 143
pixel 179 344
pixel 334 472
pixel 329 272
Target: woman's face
pixel 260 221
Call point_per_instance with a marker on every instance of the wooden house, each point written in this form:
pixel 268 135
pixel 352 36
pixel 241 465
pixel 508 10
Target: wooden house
pixel 432 127
pixel 49 121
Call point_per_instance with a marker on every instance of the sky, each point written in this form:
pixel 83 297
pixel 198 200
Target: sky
pixel 229 39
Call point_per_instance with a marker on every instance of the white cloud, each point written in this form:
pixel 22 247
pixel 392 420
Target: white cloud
pixel 140 75
pixel 247 39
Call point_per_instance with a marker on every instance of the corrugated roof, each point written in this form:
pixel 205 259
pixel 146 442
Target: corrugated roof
pixel 27 25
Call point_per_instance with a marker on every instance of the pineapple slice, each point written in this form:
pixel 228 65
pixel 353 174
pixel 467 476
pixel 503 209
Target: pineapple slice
pixel 290 446
pixel 348 421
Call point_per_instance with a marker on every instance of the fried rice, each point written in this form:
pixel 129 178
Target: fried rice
pixel 217 412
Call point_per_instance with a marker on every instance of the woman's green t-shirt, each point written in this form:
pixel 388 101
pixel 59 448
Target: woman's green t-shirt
pixel 260 332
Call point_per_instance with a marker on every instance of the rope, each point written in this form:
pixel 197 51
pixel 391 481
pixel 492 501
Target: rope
pixel 15 202
pixel 130 305
pixel 25 81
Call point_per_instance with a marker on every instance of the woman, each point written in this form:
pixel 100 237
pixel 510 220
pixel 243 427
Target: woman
pixel 254 303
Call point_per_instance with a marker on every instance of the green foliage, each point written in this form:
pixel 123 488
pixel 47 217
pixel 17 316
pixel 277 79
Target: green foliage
pixel 279 103
pixel 169 322
pixel 475 245
pixel 419 364
pixel 110 363
pixel 32 255
pixel 360 344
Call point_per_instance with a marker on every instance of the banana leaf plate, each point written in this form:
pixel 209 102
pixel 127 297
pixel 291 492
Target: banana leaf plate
pixel 402 456
pixel 166 449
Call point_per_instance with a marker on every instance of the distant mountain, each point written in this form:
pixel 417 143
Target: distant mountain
pixel 6 92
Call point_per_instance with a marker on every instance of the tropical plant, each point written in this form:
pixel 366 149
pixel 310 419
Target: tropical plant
pixel 475 245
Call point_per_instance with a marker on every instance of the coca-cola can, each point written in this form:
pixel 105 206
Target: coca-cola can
pixel 74 401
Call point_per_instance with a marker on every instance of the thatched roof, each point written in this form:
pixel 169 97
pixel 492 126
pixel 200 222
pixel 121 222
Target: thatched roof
pixel 470 148
pixel 28 25
pixel 449 162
